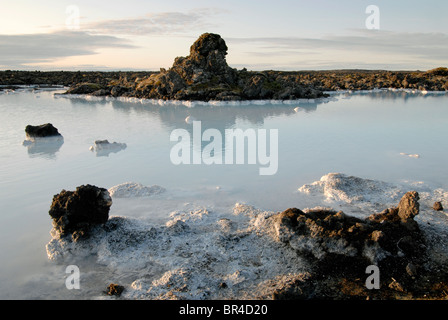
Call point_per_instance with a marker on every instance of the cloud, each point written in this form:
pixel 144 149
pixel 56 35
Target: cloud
pixel 20 50
pixel 163 23
pixel 362 47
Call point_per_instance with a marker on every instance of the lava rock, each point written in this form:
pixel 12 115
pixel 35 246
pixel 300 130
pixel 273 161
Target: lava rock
pixel 205 75
pixel 100 145
pixel 408 207
pixel 437 206
pixel 114 290
pixel 76 212
pixel 41 131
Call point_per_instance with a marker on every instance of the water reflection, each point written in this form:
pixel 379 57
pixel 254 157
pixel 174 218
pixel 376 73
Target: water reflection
pixel 43 147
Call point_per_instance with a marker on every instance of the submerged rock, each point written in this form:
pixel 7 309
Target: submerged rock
pixel 75 212
pixel 84 88
pixel 350 189
pixel 341 247
pixel 204 75
pixel 41 131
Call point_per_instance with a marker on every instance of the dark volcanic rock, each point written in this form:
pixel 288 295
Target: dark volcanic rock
pixel 202 75
pixel 437 206
pixel 104 147
pixel 75 212
pixel 408 207
pixel 84 88
pixel 41 131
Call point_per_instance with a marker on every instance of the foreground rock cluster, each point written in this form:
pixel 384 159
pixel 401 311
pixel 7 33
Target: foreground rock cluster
pixel 294 254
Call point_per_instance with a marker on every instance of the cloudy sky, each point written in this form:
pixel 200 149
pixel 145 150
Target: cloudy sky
pixel 261 35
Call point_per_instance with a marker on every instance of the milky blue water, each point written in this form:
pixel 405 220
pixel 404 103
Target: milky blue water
pixel 368 135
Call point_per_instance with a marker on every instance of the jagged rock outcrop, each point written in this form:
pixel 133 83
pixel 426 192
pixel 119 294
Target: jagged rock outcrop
pixel 205 75
pixel 343 246
pixel 75 212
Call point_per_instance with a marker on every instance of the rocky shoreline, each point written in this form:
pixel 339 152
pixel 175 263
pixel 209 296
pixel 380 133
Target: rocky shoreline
pixel 308 254
pixel 204 75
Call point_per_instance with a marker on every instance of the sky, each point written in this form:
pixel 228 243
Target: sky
pixel 261 35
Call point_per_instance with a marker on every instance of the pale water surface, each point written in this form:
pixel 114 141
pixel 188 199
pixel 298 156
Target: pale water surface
pixel 368 135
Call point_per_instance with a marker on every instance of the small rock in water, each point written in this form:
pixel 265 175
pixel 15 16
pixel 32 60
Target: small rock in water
pixel 75 212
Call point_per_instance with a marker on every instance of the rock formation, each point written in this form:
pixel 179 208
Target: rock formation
pixel 134 190
pixel 104 147
pixel 75 212
pixel 114 289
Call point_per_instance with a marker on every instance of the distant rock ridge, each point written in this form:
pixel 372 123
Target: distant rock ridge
pixel 204 75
